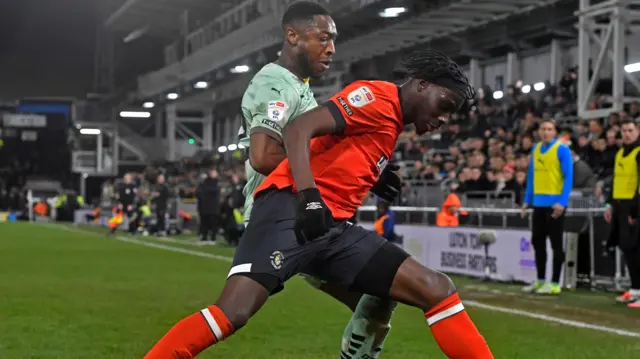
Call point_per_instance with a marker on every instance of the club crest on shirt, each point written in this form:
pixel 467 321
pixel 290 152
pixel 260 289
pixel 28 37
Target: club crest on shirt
pixel 276 110
pixel 277 258
pixel 361 97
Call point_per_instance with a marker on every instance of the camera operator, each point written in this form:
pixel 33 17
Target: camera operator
pixel 161 196
pixel 208 196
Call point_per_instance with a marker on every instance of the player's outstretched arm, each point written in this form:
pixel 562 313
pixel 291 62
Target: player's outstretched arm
pixel 266 151
pixel 313 217
pixel 298 134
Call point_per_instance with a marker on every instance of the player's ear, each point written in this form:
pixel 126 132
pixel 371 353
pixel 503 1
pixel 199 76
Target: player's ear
pixel 291 36
pixel 421 85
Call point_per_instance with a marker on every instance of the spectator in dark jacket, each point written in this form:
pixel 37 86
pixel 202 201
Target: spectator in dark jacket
pixel 208 196
pixel 583 176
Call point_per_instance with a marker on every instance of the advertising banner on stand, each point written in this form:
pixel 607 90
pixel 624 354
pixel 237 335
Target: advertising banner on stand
pixel 457 250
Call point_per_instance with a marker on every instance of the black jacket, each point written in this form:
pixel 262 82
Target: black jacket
pixel 127 194
pixel 162 196
pixel 208 195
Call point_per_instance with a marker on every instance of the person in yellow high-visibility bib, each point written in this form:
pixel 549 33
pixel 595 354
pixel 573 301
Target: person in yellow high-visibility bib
pixel 549 184
pixel 622 209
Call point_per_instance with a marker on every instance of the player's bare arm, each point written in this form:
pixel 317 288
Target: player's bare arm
pixel 298 134
pixel 266 150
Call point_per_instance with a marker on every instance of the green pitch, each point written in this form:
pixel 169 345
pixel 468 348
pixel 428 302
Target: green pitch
pixel 74 293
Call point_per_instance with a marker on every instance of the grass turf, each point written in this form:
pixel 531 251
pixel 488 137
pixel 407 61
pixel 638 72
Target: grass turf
pixel 70 294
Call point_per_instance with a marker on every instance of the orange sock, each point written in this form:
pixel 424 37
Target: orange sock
pixel 454 331
pixel 192 335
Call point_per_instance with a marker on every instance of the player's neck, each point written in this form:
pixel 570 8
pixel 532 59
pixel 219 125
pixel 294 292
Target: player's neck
pixel 403 104
pixel 290 64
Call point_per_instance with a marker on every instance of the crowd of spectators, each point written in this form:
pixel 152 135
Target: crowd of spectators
pixel 485 150
pixel 489 149
pixel 184 176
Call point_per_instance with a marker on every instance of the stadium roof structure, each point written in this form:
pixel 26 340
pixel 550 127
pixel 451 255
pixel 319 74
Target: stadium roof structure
pixel 365 34
pixel 161 18
pixel 452 18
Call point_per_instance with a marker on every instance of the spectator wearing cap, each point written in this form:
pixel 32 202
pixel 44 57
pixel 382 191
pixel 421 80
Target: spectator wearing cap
pixel 549 184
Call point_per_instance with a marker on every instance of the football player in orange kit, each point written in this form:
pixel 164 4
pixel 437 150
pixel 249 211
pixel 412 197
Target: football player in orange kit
pixel 336 153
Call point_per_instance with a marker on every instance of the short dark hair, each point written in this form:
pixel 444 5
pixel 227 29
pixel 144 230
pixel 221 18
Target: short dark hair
pixel 435 67
pixel 551 121
pixel 302 11
pixel 627 122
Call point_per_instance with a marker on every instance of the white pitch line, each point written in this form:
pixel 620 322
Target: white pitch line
pixel 150 244
pixel 548 318
pixel 472 303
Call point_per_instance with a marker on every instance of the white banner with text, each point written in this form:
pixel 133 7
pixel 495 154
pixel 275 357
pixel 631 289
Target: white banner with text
pixel 457 250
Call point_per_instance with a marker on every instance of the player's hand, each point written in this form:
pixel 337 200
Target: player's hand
pixel 389 184
pixel 523 211
pixel 558 210
pixel 313 217
pixel 607 214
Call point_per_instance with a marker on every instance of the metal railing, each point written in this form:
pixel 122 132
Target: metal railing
pixel 481 212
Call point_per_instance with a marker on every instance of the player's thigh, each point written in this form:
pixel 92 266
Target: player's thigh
pixel 419 286
pixel 342 294
pixel 363 261
pixel 268 251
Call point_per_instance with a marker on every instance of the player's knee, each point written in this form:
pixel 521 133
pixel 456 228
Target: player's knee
pixel 237 315
pixel 240 299
pixel 443 287
pixel 434 288
pixel 420 286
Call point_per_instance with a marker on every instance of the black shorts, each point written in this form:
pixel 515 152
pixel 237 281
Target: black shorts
pixel 348 255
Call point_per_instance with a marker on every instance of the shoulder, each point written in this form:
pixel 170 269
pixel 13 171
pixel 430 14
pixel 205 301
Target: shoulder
pixel 371 98
pixel 563 149
pixel 365 92
pixel 272 78
pixel 535 147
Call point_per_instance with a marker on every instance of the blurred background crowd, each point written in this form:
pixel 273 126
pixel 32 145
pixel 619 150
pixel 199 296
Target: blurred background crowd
pixel 483 154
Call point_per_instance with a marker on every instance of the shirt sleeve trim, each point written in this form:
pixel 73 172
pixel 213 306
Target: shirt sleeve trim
pixel 341 123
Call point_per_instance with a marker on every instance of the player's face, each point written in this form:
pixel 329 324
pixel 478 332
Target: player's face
pixel 547 132
pixel 317 46
pixel 629 133
pixel 435 104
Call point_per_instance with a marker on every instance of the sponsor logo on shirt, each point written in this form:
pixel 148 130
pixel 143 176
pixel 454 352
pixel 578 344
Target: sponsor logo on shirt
pixel 345 105
pixel 276 110
pixel 361 97
pixel 275 126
